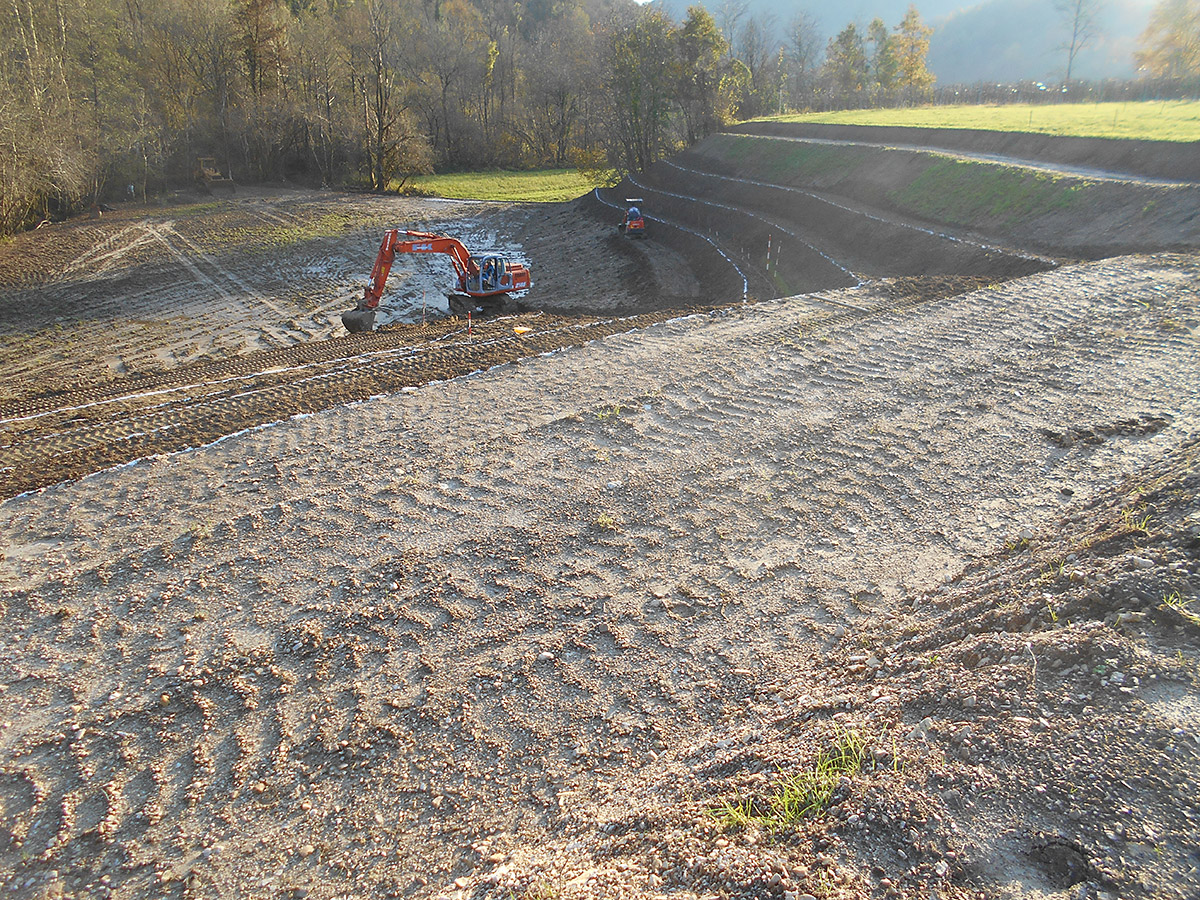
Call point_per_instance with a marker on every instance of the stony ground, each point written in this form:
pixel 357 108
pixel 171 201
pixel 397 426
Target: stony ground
pixel 886 589
pixel 578 626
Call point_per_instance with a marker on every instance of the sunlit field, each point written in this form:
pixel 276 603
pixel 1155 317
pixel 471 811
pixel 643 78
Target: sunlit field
pixel 541 186
pixel 1171 120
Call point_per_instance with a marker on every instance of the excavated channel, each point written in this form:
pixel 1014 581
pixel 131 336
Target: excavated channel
pixel 741 236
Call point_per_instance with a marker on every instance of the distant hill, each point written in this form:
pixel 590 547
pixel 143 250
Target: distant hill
pixel 1008 40
pixel 996 40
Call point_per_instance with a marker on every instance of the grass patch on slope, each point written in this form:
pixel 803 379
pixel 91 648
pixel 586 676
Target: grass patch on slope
pixel 801 794
pixel 1170 120
pixel 940 188
pixel 786 162
pixel 541 186
pixel 965 192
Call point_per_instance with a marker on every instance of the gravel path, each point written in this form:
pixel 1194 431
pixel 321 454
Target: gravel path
pixel 1088 172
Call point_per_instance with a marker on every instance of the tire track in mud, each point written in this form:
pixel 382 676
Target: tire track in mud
pixel 470 651
pixel 108 251
pixel 168 236
pixel 45 440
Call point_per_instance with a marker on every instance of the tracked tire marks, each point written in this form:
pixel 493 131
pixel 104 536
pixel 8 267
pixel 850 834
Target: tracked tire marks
pixel 46 439
pixel 379 645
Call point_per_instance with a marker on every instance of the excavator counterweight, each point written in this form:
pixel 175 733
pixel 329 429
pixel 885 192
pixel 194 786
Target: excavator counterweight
pixel 478 277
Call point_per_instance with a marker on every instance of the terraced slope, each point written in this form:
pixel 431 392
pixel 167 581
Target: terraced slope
pixel 453 610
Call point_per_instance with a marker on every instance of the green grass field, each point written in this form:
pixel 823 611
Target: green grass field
pixel 1173 120
pixel 542 186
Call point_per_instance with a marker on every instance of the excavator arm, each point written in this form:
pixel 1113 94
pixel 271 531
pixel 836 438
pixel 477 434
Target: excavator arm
pixel 415 242
pixel 495 276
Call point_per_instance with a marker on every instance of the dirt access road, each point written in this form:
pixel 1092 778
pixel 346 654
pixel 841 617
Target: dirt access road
pixel 1088 172
pixel 538 629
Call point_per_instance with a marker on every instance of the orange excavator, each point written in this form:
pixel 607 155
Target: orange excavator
pixel 478 277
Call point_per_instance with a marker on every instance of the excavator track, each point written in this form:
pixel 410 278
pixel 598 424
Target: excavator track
pixel 49 438
pixel 46 439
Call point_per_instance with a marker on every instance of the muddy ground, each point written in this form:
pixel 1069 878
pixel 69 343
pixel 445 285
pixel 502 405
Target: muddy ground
pixel 581 601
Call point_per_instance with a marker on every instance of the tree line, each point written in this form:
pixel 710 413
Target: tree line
pixel 100 98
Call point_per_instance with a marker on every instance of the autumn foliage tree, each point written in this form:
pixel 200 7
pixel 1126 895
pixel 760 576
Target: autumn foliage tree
pixel 910 46
pixel 1170 45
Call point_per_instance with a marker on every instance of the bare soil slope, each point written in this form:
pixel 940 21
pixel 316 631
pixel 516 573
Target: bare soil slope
pixel 578 617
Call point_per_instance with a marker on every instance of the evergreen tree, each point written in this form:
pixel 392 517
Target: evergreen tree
pixel 845 70
pixel 883 63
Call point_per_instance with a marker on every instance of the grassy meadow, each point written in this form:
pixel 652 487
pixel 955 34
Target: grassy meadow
pixel 541 186
pixel 1171 120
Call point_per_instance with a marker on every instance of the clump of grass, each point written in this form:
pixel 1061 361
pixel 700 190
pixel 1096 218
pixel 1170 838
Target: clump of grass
pixel 802 794
pixel 610 412
pixel 607 522
pixel 1137 519
pixel 1174 601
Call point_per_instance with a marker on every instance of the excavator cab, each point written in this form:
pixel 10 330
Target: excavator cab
pixel 495 275
pixel 490 269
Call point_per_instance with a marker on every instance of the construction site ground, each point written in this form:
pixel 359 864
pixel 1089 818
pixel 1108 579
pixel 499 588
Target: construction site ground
pixel 578 600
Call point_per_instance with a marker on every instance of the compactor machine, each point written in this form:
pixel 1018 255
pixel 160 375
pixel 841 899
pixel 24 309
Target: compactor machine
pixel 479 277
pixel 209 176
pixel 634 223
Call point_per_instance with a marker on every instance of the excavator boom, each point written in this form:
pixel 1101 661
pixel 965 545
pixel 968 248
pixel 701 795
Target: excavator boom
pixel 486 277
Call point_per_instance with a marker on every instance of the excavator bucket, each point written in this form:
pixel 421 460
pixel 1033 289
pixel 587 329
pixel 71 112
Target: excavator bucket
pixel 359 320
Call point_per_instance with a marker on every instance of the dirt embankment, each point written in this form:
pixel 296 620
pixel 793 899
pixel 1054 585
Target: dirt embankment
pixel 1155 159
pixel 1065 216
pixel 879 592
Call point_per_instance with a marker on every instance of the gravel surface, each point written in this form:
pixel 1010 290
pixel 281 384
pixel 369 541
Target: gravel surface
pixel 885 589
pixel 535 631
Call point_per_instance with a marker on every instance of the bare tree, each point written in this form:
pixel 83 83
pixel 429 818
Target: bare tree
pixel 391 143
pixel 556 73
pixel 803 53
pixel 758 50
pixel 1081 18
pixel 729 16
